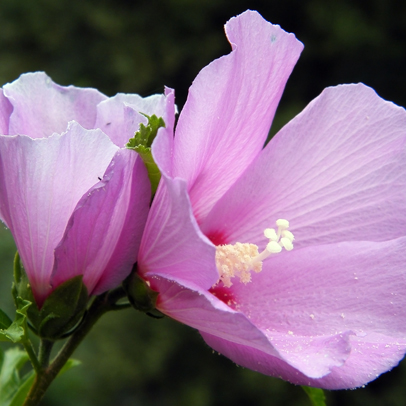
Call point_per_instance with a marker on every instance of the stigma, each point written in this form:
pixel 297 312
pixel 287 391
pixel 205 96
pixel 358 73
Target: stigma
pixel 239 260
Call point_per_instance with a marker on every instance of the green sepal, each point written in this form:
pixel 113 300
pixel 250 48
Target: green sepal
pixel 156 314
pixel 11 363
pixel 316 395
pixel 139 293
pixel 141 143
pixel 21 289
pixel 63 309
pixel 60 312
pixel 154 174
pixel 146 134
pixel 16 331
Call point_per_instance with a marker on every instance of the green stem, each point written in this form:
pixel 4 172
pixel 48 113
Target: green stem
pixel 31 354
pixel 44 353
pixel 101 305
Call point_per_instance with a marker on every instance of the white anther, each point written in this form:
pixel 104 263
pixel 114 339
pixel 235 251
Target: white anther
pixel 273 247
pixel 287 234
pixel 278 239
pixel 287 244
pixel 241 259
pixel 271 234
pixel 282 223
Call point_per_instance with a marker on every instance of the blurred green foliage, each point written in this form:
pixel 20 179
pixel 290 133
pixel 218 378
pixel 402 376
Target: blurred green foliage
pixel 137 47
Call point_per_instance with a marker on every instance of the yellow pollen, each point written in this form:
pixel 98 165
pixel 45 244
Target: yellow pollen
pixel 237 260
pixel 240 259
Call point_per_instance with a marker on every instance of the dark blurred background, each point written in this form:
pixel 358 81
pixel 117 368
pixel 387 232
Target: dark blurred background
pixel 137 47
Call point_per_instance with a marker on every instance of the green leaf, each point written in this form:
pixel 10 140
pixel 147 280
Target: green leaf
pixel 1 358
pixel 26 383
pixel 316 395
pixel 22 391
pixel 10 381
pixel 141 143
pixel 16 330
pixel 5 321
pixel 71 363
pixel 63 309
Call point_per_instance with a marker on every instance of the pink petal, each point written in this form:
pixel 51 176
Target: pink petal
pixel 162 147
pixel 5 110
pixel 319 292
pixel 120 116
pixel 172 244
pixel 230 108
pixel 103 235
pixel 203 311
pixel 200 309
pixel 41 182
pixel 337 172
pixel 42 107
pixel 318 309
pixel 322 290
pixel 369 358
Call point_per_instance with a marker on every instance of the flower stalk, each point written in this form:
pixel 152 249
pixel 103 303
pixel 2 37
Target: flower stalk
pixel 46 373
pixel 31 354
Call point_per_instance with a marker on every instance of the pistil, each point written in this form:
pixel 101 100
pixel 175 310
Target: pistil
pixel 240 259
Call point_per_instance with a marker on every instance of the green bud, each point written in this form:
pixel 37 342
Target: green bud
pixel 141 143
pixel 139 293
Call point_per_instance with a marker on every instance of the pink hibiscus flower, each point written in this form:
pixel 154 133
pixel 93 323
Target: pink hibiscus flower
pixel 74 198
pixel 331 311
